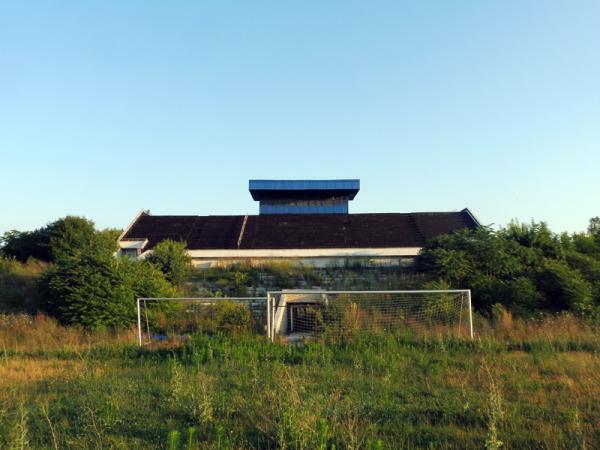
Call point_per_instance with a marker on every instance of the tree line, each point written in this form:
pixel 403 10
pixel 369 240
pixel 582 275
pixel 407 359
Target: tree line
pixel 83 282
pixel 526 268
pixel 75 276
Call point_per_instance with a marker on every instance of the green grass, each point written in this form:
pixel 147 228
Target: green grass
pixel 373 392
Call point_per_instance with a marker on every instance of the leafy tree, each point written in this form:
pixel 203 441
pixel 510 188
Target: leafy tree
pixel 461 257
pixel 586 265
pixel 144 279
pixel 171 258
pixel 108 237
pixel 535 235
pixel 76 236
pixel 594 227
pixel 23 245
pixel 66 237
pixel 524 267
pixel 88 291
pixel 564 288
pixel 519 294
pixel 100 292
pixel 89 286
pixel 583 243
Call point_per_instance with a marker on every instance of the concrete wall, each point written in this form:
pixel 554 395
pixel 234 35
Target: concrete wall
pixel 316 262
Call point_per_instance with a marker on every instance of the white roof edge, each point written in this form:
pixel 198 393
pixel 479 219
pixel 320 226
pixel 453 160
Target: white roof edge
pixel 142 211
pixel 139 244
pixel 302 252
pixel 470 213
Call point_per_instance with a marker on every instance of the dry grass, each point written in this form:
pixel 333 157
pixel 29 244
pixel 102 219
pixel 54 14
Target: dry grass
pixel 23 333
pixel 512 385
pixel 23 371
pixel 564 326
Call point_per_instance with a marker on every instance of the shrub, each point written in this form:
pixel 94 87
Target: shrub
pixel 66 237
pixel 524 267
pixel 23 245
pixel 564 288
pixel 211 318
pixel 171 258
pixel 232 316
pixel 144 279
pixel 101 292
pixel 90 292
pixel 73 236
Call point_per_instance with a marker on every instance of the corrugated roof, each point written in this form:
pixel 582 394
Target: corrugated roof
pixel 388 230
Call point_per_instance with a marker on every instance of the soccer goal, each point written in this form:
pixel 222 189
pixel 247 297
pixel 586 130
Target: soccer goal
pixel 176 319
pixel 297 314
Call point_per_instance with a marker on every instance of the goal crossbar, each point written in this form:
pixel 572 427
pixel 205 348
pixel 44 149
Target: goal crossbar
pixel 273 305
pixel 295 305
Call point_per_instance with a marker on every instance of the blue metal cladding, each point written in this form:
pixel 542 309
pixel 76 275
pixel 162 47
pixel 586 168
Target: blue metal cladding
pixel 284 185
pixel 304 196
pixel 338 208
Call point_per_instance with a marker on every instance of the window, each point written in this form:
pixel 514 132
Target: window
pixel 129 252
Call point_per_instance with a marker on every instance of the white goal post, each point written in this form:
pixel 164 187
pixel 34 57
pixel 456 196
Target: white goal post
pixel 176 318
pixel 296 314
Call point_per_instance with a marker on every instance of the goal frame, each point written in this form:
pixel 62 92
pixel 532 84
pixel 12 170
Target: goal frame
pixel 271 301
pixel 184 299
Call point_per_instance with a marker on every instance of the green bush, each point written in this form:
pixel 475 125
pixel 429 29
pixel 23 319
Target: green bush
pixel 87 285
pixel 90 292
pixel 524 267
pixel 101 292
pixel 171 258
pixel 232 316
pixel 23 245
pixel 66 237
pixel 144 279
pixel 564 288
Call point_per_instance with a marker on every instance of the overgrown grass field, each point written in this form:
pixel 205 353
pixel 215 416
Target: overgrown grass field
pixel 518 385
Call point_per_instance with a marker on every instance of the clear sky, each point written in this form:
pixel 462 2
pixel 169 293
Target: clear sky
pixel 108 107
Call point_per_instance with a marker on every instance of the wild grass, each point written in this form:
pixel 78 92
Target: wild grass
pixel 520 384
pixel 25 333
pixel 19 284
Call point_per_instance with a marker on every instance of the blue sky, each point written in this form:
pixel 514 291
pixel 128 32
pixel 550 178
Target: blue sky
pixel 110 107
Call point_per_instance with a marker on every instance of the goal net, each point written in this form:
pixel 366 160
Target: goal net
pixel 296 314
pixel 176 319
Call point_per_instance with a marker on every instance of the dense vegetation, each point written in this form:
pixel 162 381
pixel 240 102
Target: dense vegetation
pixel 525 268
pixel 530 379
pixel 68 269
pixel 82 282
pixel 519 385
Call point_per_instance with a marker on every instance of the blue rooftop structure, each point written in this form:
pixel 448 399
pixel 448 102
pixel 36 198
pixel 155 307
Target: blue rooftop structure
pixel 304 196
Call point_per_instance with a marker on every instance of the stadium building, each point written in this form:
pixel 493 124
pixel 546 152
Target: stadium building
pixel 302 221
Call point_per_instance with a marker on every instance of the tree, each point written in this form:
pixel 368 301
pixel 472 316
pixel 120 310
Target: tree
pixel 23 245
pixel 535 235
pixel 594 228
pixel 172 259
pixel 144 279
pixel 75 236
pixel 462 257
pixel 564 288
pixel 88 291
pixel 524 267
pixel 66 237
pixel 87 285
pixel 98 291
